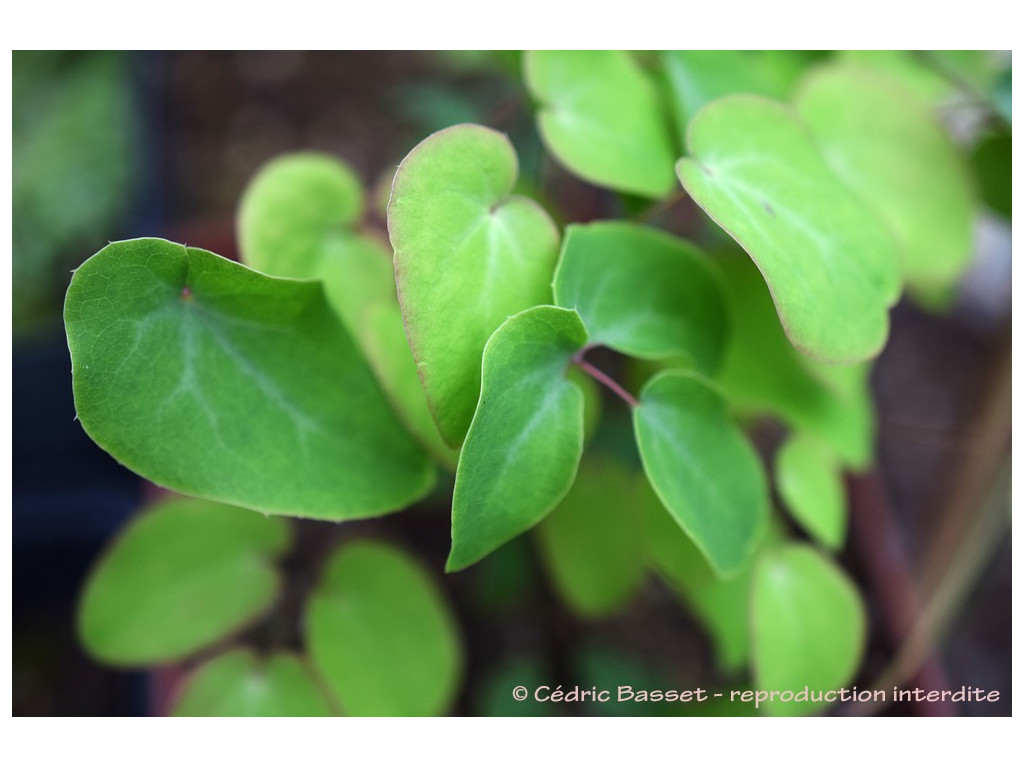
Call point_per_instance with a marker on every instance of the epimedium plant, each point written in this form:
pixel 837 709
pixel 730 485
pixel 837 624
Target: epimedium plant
pixel 329 376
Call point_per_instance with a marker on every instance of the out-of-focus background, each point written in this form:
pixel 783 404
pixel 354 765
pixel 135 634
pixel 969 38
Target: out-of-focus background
pixel 112 145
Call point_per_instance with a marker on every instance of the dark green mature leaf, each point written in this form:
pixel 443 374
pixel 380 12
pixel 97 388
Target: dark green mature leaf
pixel 237 684
pixel 992 160
pixel 642 292
pixel 601 118
pixel 216 381
pixel 593 542
pixel 467 256
pixel 703 468
pixel 890 148
pixel 182 575
pixel 810 482
pixel 763 373
pixel 808 626
pixel 525 443
pixel 829 260
pixel 296 220
pixel 382 636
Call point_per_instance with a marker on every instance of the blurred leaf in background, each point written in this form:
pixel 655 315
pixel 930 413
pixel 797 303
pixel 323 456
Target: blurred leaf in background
pixel 75 135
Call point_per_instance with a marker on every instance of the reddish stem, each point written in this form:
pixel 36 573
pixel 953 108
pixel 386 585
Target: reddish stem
pixel 603 378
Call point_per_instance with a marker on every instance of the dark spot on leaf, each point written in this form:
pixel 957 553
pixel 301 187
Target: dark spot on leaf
pixel 768 208
pixel 186 293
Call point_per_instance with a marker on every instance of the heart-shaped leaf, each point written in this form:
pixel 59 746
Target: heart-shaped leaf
pixel 703 468
pixel 296 220
pixel 601 118
pixel 808 626
pixel 810 482
pixel 382 636
pixel 592 542
pixel 763 373
pixel 525 443
pixel 237 684
pixel 887 146
pixel 217 381
pixel 829 260
pixel 642 292
pixel 467 256
pixel 182 575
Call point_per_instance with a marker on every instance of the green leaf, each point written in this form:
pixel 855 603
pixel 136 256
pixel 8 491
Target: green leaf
pixel 810 483
pixel 237 684
pixel 600 117
pixel 763 373
pixel 642 292
pixel 382 636
pixel 467 256
pixel 296 220
pixel 592 542
pixel 992 161
pixel 830 262
pixel 808 625
pixel 525 443
pixel 216 381
pixel 703 468
pixel 888 147
pixel 722 605
pixel 182 575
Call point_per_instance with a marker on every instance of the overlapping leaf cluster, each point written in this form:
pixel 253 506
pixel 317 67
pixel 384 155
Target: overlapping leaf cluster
pixel 330 382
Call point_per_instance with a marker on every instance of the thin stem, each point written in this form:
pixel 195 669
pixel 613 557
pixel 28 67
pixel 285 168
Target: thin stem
pixel 603 378
pixel 660 207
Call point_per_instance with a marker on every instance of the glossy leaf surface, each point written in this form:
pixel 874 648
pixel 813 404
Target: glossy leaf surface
pixel 890 148
pixel 599 115
pixel 703 468
pixel 523 449
pixel 467 256
pixel 642 292
pixel 829 260
pixel 182 575
pixel 237 684
pixel 382 636
pixel 216 381
pixel 808 623
pixel 592 542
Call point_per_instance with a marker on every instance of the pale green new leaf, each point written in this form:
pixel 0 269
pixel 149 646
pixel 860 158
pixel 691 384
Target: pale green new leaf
pixel 237 684
pixel 809 626
pixel 642 292
pixel 525 443
pixel 467 256
pixel 888 146
pixel 829 260
pixel 810 482
pixel 763 373
pixel 295 220
pixel 703 468
pixel 382 636
pixel 216 381
pixel 600 116
pixel 182 575
pixel 593 543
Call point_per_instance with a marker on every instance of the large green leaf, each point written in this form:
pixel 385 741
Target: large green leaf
pixel 810 482
pixel 525 443
pixel 593 542
pixel 642 292
pixel 467 256
pixel 382 636
pixel 180 576
pixel 829 260
pixel 237 684
pixel 890 148
pixel 214 380
pixel 763 373
pixel 296 220
pixel 808 626
pixel 601 118
pixel 703 468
